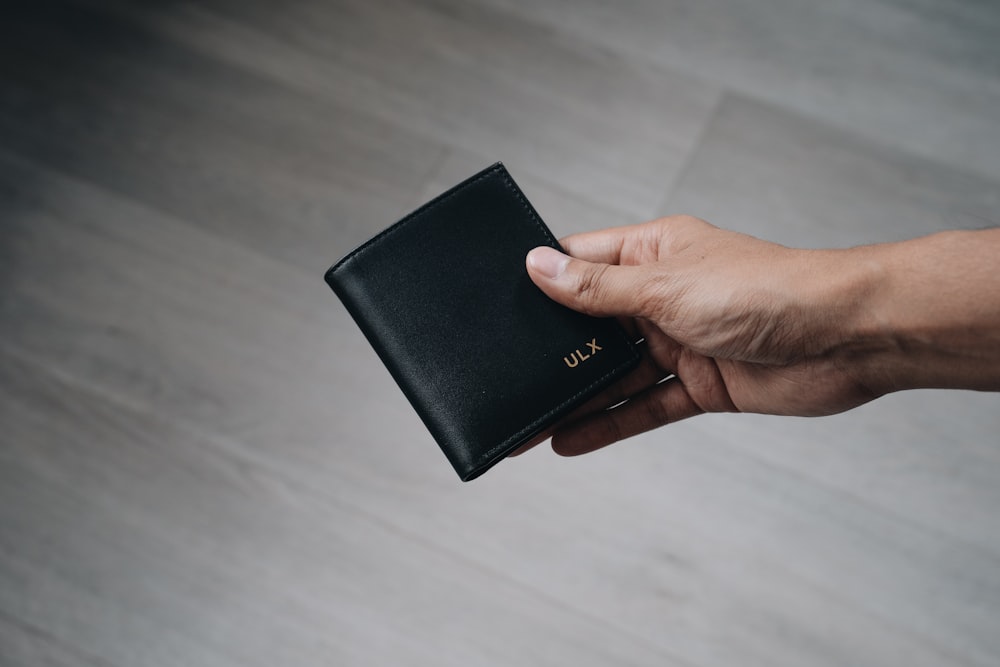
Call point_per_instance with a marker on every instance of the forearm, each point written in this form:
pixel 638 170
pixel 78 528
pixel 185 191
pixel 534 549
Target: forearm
pixel 926 312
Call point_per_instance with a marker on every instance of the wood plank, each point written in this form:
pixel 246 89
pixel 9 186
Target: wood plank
pixel 203 462
pixel 26 646
pixel 916 74
pixel 130 538
pixel 776 174
pixel 471 79
pixel 706 567
pixel 289 174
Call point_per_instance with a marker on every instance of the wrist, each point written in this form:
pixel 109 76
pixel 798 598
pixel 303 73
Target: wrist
pixel 913 313
pixel 845 290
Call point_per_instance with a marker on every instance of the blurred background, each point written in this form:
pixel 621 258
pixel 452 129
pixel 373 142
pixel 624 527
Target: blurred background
pixel 202 462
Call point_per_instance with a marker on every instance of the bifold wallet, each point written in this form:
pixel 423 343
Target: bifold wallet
pixel 485 358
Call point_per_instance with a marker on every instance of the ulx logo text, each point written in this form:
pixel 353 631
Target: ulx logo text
pixel 574 359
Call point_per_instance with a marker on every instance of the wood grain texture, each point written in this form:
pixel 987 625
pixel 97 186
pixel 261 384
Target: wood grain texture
pixel 773 173
pixel 202 462
pixel 913 73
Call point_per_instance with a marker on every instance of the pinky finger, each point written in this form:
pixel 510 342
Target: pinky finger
pixel 662 404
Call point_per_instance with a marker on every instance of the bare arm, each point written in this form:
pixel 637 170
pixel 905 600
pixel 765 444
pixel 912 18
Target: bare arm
pixel 931 316
pixel 747 325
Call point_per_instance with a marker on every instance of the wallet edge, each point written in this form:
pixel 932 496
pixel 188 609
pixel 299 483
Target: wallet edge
pixel 501 451
pixel 497 453
pixel 416 213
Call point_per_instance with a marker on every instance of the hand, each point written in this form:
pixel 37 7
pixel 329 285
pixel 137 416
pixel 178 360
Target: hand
pixel 728 323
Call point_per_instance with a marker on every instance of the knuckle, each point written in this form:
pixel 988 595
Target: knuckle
pixel 655 410
pixel 653 298
pixel 612 431
pixel 590 285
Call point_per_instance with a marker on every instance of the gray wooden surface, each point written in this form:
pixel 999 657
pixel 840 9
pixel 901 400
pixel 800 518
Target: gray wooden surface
pixel 203 463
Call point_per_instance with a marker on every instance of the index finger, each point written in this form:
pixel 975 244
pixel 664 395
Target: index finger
pixel 603 246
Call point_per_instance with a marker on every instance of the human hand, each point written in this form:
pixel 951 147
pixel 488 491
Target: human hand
pixel 728 323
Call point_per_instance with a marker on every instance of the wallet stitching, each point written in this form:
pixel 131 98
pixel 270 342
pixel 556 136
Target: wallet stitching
pixel 542 227
pixel 485 458
pixel 426 208
pixel 497 168
pixel 532 214
pixel 534 425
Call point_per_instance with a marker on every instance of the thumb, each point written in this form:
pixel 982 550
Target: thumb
pixel 602 290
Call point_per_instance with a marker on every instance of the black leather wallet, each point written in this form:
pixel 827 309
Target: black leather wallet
pixel 486 359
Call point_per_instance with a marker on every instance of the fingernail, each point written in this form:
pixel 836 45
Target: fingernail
pixel 548 261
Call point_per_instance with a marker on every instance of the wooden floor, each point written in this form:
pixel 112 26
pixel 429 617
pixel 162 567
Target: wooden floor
pixel 203 463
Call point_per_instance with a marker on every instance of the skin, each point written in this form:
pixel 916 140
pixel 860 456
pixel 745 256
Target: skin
pixel 731 323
